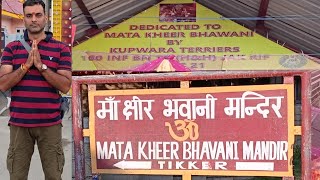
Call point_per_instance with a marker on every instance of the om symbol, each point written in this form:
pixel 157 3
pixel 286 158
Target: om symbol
pixel 189 128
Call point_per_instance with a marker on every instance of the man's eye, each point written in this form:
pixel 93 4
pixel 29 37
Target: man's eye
pixel 28 16
pixel 39 15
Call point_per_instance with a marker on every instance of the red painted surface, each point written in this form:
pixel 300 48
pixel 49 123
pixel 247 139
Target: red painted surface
pixel 315 175
pixel 77 115
pixel 237 132
pixel 306 127
pixel 263 9
pixel 77 132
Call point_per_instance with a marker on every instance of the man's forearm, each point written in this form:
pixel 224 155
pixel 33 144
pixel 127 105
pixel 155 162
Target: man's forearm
pixel 56 80
pixel 9 80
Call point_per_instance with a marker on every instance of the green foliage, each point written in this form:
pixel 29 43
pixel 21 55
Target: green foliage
pixel 297 162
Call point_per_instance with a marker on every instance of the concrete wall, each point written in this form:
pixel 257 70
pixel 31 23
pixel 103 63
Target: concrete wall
pixel 10 24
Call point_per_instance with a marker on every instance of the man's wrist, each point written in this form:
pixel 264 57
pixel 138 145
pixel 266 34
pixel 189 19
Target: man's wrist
pixel 24 68
pixel 43 67
pixel 39 67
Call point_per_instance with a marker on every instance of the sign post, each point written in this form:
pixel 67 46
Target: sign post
pixel 221 117
pixel 236 131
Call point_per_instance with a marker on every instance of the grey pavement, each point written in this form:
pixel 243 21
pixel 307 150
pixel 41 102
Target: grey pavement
pixel 35 172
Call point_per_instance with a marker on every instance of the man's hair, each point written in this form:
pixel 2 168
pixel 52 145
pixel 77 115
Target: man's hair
pixel 34 2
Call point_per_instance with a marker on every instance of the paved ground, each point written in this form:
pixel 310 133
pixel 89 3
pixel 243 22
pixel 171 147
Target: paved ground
pixel 36 172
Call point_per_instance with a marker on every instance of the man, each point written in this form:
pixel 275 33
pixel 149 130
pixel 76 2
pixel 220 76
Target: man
pixel 35 79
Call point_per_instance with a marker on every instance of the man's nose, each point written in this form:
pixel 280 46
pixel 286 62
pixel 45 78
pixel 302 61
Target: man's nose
pixel 34 18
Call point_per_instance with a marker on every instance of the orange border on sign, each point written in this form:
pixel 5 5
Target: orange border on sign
pixel 187 173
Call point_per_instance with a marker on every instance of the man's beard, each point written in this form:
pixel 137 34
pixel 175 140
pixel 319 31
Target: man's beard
pixel 32 31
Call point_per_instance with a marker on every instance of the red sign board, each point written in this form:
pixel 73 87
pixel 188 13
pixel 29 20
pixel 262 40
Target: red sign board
pixel 220 131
